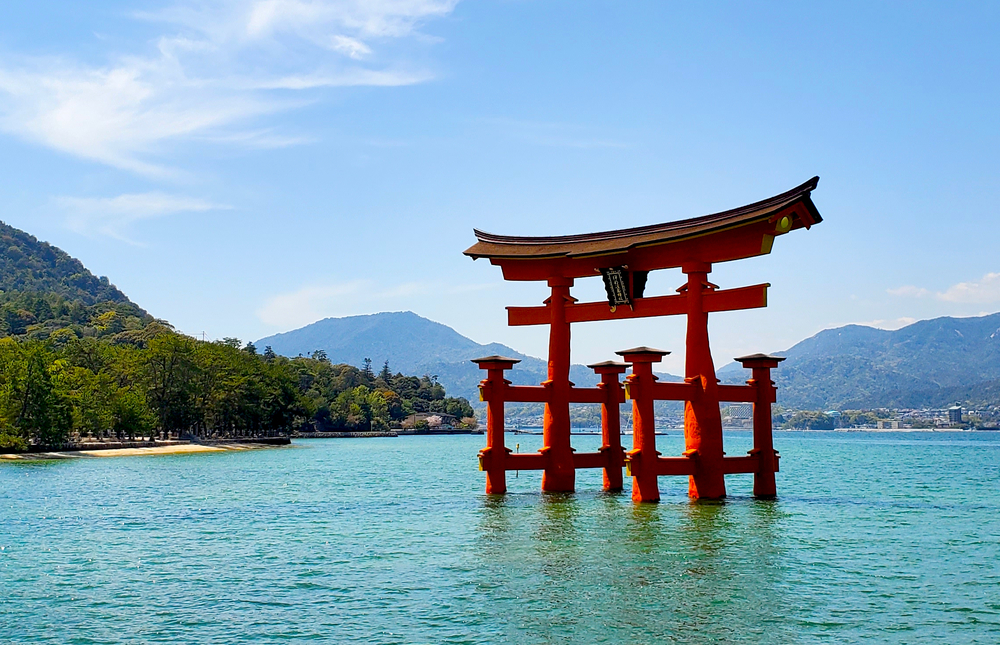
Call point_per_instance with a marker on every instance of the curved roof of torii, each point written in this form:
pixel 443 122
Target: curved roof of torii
pixel 729 235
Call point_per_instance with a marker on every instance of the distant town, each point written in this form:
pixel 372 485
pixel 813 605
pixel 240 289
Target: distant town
pixel 740 416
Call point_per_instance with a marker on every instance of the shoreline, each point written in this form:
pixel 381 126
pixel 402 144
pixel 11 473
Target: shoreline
pixel 174 448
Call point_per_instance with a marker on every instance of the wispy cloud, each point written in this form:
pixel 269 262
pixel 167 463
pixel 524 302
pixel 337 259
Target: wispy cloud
pixel 347 78
pixel 984 291
pixel 117 115
pixel 220 66
pixel 314 302
pixel 113 216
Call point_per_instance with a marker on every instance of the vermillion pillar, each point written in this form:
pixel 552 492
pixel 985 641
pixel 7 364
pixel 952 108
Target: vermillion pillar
pixel 559 474
pixel 493 458
pixel 643 456
pixel 611 429
pixel 702 419
pixel 763 440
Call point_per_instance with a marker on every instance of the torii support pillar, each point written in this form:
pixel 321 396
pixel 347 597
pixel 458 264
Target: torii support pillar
pixel 702 418
pixel 643 458
pixel 763 441
pixel 493 457
pixel 611 429
pixel 559 474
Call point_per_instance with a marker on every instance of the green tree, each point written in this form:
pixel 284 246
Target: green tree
pixel 31 407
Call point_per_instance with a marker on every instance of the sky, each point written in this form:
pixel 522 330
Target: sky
pixel 245 168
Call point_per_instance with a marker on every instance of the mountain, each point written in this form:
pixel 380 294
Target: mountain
pixel 28 265
pixel 412 345
pixel 931 363
pixel 44 291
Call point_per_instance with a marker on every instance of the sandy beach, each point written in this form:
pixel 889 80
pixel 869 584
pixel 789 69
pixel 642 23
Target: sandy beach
pixel 176 449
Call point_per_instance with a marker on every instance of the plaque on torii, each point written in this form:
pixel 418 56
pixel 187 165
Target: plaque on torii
pixel 623 259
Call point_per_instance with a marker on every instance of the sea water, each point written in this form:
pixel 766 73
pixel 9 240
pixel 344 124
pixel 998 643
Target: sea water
pixel 875 538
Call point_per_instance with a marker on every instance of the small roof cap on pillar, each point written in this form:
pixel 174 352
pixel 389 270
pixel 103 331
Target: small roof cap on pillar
pixel 502 360
pixel 760 360
pixel 643 354
pixel 609 367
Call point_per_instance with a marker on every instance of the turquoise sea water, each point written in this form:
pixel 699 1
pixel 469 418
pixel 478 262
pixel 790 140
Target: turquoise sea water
pixel 876 538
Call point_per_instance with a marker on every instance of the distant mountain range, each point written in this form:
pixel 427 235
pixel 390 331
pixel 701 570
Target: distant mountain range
pixel 931 363
pixel 412 345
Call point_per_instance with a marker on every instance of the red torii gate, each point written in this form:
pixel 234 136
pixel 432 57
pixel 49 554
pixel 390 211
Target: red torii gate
pixel 624 259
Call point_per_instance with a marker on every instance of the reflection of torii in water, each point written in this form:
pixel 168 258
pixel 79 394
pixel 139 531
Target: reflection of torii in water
pixel 624 258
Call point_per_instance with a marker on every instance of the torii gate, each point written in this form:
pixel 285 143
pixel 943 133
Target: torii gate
pixel 624 259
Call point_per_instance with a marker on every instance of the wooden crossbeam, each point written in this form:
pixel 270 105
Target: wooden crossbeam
pixel 589 460
pixel 675 391
pixel 675 466
pixel 541 394
pixel 526 393
pixel 664 465
pixel 538 461
pixel 752 297
pixel 525 461
pixel 748 464
pixel 738 393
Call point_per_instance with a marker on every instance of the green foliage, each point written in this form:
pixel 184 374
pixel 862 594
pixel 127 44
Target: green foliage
pixel 12 442
pixel 809 421
pixel 160 383
pixel 343 397
pixel 79 360
pixel 27 265
pixel 32 406
pixel 856 418
pixel 38 316
pixel 816 420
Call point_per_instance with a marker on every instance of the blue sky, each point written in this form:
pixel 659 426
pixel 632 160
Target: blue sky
pixel 243 168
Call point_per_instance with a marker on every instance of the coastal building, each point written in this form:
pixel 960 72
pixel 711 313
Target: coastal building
pixel 888 425
pixel 433 419
pixel 741 411
pixel 955 414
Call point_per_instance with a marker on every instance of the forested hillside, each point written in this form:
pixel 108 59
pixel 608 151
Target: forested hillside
pixel 43 289
pixel 27 265
pixel 931 363
pixel 79 360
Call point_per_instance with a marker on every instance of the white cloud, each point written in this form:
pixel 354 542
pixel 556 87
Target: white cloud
pixel 363 18
pixel 229 64
pixel 112 216
pixel 350 46
pixel 349 78
pixel 117 115
pixel 985 291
